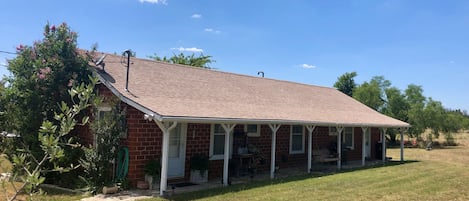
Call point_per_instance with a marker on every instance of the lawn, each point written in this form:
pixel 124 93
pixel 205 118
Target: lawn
pixel 440 174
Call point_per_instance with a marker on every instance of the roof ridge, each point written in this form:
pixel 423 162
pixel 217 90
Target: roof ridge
pixel 230 73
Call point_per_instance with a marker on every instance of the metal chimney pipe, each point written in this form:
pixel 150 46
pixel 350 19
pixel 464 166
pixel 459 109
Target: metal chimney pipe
pixel 128 52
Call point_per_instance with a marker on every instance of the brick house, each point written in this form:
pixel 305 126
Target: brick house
pixel 175 111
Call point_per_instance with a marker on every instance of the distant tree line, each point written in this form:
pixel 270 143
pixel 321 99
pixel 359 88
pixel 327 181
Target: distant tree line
pixel 409 105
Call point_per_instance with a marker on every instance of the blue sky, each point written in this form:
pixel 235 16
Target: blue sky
pixel 422 42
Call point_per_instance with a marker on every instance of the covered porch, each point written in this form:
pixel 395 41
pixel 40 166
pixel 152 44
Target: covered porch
pixel 308 132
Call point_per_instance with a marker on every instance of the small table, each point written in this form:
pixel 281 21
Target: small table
pixel 243 167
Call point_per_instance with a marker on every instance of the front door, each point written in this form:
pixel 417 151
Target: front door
pixel 368 143
pixel 177 151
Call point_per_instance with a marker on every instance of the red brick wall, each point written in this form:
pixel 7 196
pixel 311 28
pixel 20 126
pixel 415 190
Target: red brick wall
pixel 197 142
pixel 144 143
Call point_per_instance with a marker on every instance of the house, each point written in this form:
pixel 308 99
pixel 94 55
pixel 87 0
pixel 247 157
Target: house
pixel 175 111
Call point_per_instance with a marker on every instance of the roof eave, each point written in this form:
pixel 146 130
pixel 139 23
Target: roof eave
pixel 275 121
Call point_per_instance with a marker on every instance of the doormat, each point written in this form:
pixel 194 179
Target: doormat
pixel 183 184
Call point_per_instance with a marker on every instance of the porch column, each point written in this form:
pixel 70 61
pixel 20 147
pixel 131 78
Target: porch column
pixel 364 129
pixel 383 141
pixel 310 145
pixel 166 128
pixel 274 128
pixel 402 144
pixel 339 146
pixel 228 129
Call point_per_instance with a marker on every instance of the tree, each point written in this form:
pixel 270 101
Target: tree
pixel 346 83
pixel 41 77
pixel 373 94
pixel 397 107
pixel 416 100
pixel 97 160
pixel 30 169
pixel 192 60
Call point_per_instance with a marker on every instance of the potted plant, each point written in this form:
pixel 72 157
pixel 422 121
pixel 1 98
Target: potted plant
pixel 152 172
pixel 199 168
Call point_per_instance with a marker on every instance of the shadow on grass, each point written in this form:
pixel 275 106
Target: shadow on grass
pixel 255 184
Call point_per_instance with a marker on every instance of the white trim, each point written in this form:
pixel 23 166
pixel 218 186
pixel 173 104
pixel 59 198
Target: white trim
pixel 310 129
pixel 302 140
pixel 353 137
pixel 333 131
pixel 253 134
pixel 212 135
pixel 182 148
pixel 274 128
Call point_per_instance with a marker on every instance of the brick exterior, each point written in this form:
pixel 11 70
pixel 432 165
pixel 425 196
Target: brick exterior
pixel 144 141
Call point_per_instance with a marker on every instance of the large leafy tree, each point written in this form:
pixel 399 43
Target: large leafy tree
pixel 416 100
pixel 191 60
pixel 346 83
pixel 41 76
pixel 373 93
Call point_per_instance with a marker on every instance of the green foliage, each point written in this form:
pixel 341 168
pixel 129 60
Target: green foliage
pixel 199 162
pixel 412 107
pixel 52 138
pixel 153 168
pixel 97 160
pixel 42 74
pixel 346 83
pixel 192 60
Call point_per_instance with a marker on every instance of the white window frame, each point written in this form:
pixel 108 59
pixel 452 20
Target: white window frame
pixel 98 117
pixel 212 137
pixel 353 137
pixel 333 131
pixel 253 134
pixel 302 140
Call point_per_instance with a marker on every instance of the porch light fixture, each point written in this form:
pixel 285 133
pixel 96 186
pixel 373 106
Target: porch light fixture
pixel 148 117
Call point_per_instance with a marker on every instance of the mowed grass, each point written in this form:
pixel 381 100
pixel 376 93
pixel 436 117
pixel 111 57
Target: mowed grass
pixel 439 174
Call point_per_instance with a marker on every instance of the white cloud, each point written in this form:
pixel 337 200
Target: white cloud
pixel 196 16
pixel 212 30
pixel 188 49
pixel 308 66
pixel 164 2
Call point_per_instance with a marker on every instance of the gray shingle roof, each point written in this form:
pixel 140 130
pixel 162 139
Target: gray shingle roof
pixel 200 95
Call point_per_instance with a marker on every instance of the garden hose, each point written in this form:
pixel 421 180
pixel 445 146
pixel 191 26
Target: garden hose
pixel 122 163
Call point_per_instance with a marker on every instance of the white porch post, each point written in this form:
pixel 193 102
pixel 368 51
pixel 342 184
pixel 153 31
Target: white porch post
pixel 364 129
pixel 274 128
pixel 310 145
pixel 383 141
pixel 228 128
pixel 166 128
pixel 402 144
pixel 339 146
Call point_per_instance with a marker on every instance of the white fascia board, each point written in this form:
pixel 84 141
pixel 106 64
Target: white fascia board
pixel 273 121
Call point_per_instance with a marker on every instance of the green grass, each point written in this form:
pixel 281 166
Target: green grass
pixel 440 174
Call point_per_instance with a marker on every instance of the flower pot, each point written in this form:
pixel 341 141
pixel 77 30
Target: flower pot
pixel 197 178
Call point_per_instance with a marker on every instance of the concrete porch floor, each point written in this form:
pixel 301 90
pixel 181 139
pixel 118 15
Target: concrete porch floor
pixel 317 169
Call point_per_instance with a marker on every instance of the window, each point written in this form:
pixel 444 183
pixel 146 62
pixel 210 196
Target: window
pixel 217 142
pixel 252 130
pixel 347 137
pixel 103 112
pixel 297 140
pixel 333 131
